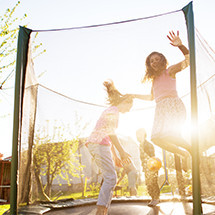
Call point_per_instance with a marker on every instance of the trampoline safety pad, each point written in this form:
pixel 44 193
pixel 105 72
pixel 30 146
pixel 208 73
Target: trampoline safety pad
pixel 137 208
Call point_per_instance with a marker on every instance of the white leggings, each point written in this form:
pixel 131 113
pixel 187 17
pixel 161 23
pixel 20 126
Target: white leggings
pixel 103 158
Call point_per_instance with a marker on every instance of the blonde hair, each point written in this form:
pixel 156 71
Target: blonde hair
pixel 114 96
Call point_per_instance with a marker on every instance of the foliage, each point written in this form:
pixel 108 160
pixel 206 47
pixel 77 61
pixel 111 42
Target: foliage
pixel 56 160
pixel 9 25
pixel 4 208
pixel 8 36
pixel 124 181
pixel 94 188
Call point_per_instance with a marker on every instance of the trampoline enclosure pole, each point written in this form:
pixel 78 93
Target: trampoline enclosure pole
pixel 21 62
pixel 197 208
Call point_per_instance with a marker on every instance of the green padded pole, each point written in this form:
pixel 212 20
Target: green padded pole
pixel 21 62
pixel 197 207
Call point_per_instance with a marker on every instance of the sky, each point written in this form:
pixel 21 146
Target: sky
pixel 54 14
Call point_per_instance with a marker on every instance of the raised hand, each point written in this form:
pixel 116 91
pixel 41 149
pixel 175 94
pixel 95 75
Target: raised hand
pixel 175 39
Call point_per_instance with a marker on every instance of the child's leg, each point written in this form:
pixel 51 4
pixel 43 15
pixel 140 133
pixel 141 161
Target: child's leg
pixel 101 210
pixel 170 145
pixel 179 176
pixel 103 158
pixel 178 141
pixel 132 179
pixel 151 180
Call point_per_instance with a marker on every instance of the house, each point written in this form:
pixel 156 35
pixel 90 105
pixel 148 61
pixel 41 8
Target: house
pixel 5 172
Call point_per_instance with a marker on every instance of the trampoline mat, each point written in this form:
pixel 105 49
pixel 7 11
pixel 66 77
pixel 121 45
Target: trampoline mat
pixel 137 208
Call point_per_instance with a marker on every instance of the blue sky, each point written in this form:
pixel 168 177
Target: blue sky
pixel 51 14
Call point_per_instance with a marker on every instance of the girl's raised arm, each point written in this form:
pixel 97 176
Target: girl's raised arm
pixel 176 41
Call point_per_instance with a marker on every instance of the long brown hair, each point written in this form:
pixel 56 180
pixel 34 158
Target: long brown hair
pixel 150 72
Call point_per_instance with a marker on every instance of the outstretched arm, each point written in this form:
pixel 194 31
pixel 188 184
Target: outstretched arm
pixel 176 41
pixel 116 159
pixel 143 97
pixel 148 97
pixel 123 154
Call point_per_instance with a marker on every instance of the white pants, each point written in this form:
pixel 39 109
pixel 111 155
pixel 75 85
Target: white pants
pixel 132 179
pixel 103 158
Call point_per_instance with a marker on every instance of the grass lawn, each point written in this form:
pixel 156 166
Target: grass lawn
pixel 4 208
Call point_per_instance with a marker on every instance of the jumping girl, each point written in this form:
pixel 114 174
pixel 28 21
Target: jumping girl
pixel 170 111
pixel 103 138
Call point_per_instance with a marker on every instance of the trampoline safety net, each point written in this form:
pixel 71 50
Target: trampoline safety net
pixel 63 97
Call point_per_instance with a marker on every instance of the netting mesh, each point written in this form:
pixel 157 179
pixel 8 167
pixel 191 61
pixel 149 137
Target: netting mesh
pixel 65 97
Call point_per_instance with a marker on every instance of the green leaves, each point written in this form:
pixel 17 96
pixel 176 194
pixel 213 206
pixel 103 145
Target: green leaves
pixel 9 28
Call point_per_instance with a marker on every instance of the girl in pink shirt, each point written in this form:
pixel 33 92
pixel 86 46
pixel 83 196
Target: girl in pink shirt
pixel 170 111
pixel 101 141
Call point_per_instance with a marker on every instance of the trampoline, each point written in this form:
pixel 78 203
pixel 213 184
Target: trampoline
pixel 120 206
pixel 59 96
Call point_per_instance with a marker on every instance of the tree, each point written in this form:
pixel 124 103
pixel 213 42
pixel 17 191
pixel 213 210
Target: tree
pixel 54 160
pixel 9 25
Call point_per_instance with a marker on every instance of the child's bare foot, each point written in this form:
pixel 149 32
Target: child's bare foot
pixel 154 202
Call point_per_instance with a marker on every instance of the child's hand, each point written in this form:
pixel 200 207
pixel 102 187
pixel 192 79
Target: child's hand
pixel 118 162
pixel 175 39
pixel 131 96
pixel 126 161
pixel 125 158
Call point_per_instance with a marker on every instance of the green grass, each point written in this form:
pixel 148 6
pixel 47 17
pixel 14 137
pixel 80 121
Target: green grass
pixel 78 195
pixel 142 191
pixel 166 189
pixel 4 208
